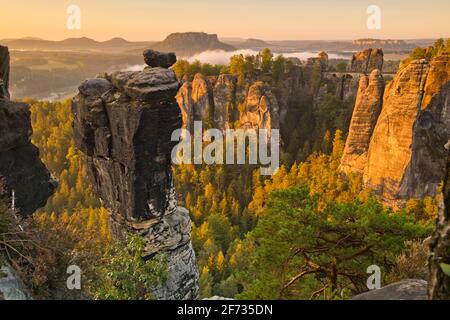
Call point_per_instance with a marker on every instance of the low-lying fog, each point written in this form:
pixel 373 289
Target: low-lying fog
pixel 223 57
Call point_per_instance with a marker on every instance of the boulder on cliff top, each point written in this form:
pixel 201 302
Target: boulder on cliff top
pixel 159 59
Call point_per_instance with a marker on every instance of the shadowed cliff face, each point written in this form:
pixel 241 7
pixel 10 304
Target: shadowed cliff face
pixel 124 125
pixel 439 281
pixel 21 169
pixel 4 72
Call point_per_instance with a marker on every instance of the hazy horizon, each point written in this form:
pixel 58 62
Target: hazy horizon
pixel 269 20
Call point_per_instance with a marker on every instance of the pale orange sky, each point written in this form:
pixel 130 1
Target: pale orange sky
pixel 264 19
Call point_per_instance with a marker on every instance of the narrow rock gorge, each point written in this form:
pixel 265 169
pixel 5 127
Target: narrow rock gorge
pixel 123 123
pixel 23 176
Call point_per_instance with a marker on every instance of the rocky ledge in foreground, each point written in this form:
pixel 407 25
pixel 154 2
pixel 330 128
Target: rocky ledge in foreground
pixel 123 123
pixel 408 289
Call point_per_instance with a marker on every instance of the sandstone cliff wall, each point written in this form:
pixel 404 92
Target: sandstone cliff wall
pixel 406 155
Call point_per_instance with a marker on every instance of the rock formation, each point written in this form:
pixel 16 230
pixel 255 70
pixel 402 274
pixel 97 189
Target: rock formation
pixel 366 61
pixel 321 59
pixel 439 281
pixel 21 170
pixel 406 158
pixel 11 287
pixel 365 115
pixel 342 85
pixel 4 72
pixel 408 289
pixel 124 123
pixel 224 95
pixel 157 59
pixel 215 101
pixel 261 108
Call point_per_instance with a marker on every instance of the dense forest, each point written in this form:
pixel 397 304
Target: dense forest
pixel 306 232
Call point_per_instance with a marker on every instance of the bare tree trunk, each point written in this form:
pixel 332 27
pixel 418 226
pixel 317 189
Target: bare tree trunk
pixel 439 282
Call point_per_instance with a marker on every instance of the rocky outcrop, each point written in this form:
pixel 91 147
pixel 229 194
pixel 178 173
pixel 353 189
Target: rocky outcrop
pixel 261 108
pixel 366 61
pixel 321 59
pixel 22 173
pixel 368 104
pixel 224 98
pixel 11 287
pixel 124 123
pixel 4 72
pixel 439 281
pixel 215 102
pixel 406 158
pixel 408 289
pixel 343 85
pixel 196 102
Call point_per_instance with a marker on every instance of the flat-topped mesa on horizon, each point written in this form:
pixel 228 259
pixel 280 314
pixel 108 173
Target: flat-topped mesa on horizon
pixel 366 61
pixel 124 123
pixel 21 170
pixel 190 43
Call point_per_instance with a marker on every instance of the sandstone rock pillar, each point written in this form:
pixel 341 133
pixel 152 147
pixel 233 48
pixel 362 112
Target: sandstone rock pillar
pixel 368 104
pixel 123 123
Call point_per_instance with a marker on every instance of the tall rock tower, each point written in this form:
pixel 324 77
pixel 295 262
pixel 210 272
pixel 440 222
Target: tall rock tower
pixel 369 100
pixel 124 123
